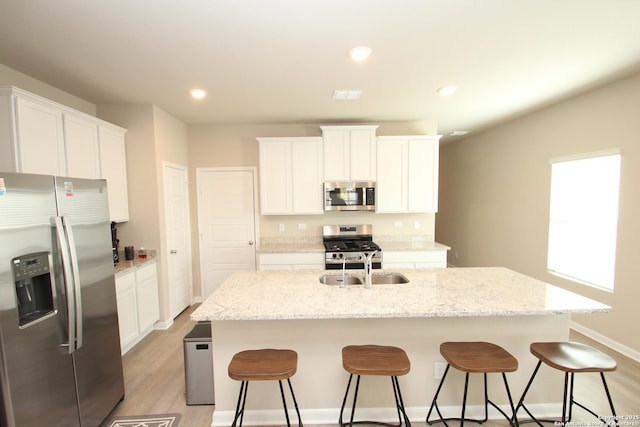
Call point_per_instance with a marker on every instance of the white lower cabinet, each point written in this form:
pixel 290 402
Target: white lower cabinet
pixel 127 310
pixel 291 261
pixel 138 305
pixel 415 259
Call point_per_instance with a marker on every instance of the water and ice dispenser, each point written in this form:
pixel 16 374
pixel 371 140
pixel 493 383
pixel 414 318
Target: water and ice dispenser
pixel 34 290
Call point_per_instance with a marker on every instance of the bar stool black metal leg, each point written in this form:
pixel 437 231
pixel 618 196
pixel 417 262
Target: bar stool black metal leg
pixel 399 403
pixel 521 401
pixel 564 400
pixel 344 401
pixel 486 400
pixel 284 403
pixel 295 403
pixel 242 398
pixel 398 398
pixel 355 397
pixel 513 409
pixel 434 403
pixel 606 390
pixel 464 398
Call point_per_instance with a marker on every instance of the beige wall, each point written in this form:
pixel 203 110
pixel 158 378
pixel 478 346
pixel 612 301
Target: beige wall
pixel 11 77
pixel 494 194
pixel 236 145
pixel 153 137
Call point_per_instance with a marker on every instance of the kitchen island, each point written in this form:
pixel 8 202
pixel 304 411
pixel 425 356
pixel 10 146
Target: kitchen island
pixel 292 309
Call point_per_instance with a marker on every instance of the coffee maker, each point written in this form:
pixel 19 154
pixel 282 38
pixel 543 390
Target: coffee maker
pixel 114 243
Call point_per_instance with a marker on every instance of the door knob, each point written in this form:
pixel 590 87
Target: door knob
pixel 173 251
pixel 250 242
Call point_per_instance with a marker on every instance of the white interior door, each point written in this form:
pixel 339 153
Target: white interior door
pixel 178 256
pixel 226 221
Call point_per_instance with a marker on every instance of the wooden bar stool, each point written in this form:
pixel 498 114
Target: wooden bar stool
pixel 375 360
pixel 475 357
pixel 570 357
pixel 263 365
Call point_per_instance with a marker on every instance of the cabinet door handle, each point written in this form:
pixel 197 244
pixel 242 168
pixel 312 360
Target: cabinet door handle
pixel 173 251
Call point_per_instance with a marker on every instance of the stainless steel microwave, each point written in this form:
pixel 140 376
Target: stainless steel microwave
pixel 349 196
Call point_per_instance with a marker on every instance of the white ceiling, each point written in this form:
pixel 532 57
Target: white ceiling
pixel 279 61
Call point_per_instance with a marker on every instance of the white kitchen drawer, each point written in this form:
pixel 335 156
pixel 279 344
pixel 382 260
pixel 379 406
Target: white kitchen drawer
pixel 291 260
pixel 125 281
pixel 414 259
pixel 146 271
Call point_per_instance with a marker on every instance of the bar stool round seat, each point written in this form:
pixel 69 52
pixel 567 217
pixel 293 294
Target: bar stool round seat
pixel 475 357
pixel 263 365
pixel 375 360
pixel 571 358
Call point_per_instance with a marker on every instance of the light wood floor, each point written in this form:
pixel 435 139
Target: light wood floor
pixel 154 377
pixel 154 382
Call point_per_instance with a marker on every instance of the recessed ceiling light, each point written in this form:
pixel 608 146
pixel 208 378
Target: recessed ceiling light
pixel 447 90
pixel 360 53
pixel 347 94
pixel 198 93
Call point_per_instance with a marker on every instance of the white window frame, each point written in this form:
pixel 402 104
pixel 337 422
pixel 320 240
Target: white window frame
pixel 583 218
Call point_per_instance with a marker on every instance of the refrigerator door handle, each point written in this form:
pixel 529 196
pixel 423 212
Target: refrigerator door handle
pixel 66 222
pixel 67 277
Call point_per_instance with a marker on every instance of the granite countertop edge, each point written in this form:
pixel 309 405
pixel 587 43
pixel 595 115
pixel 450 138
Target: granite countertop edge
pixel 125 266
pixel 430 293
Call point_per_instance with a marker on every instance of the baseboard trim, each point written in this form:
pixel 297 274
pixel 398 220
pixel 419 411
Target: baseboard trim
pixel 163 326
pixel 612 344
pixel 330 415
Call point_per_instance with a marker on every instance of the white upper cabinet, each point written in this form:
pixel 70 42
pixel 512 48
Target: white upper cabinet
pixel 291 176
pixel 38 137
pixel 42 137
pixel 349 153
pixel 81 142
pixel 407 174
pixel 113 168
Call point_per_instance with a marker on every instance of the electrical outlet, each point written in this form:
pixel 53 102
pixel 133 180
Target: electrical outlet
pixel 281 227
pixel 302 226
pixel 397 224
pixel 438 370
pixel 416 225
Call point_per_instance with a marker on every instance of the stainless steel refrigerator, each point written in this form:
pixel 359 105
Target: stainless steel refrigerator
pixel 60 362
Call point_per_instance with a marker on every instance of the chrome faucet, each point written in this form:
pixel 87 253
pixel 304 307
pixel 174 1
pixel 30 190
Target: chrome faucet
pixel 344 267
pixel 368 269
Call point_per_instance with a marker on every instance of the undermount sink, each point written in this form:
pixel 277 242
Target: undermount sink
pixel 376 279
pixel 336 279
pixel 388 278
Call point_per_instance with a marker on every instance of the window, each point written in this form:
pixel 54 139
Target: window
pixel 583 218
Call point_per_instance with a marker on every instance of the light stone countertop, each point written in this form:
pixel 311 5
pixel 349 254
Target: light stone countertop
pixel 123 266
pixel 440 292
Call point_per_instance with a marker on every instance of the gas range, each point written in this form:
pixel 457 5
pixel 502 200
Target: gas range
pixel 348 246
